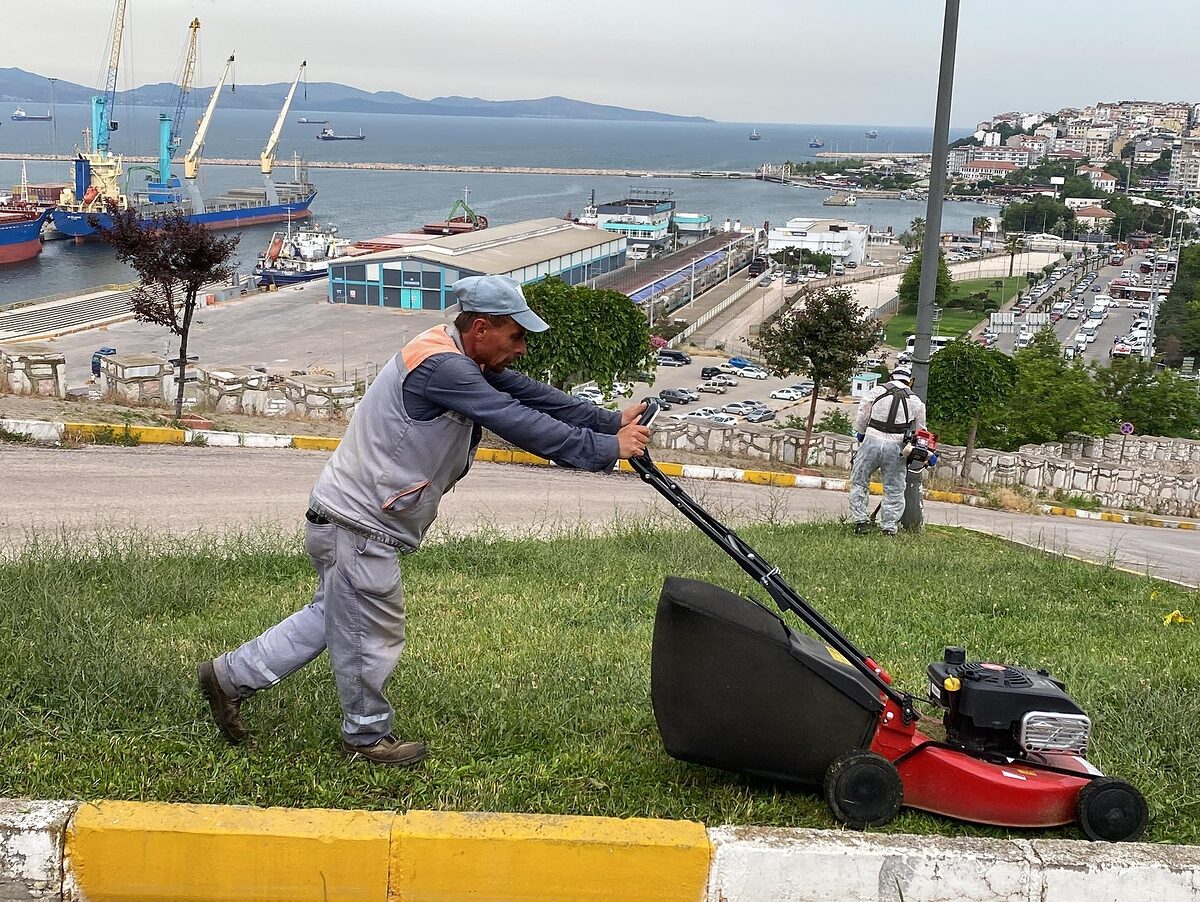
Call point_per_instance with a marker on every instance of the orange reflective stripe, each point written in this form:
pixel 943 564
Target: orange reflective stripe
pixel 432 341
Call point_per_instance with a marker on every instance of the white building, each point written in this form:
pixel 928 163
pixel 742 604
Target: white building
pixel 987 169
pixel 1106 182
pixel 843 240
pixel 1185 165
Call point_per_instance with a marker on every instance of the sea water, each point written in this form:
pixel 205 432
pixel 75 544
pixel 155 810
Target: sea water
pixel 368 203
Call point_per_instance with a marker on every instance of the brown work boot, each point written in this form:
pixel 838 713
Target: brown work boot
pixel 225 710
pixel 388 750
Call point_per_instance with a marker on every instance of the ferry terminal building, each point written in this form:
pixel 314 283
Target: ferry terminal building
pixel 417 272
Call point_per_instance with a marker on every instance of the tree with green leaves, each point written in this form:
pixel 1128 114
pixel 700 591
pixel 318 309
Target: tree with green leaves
pixel 1036 215
pixel 174 258
pixel 1013 245
pixel 824 338
pixel 595 334
pixel 910 284
pixel 980 225
pixel 917 228
pixel 1051 398
pixel 967 383
pixel 1157 403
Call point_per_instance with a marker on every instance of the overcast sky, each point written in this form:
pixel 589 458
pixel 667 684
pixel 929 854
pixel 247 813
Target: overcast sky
pixel 855 61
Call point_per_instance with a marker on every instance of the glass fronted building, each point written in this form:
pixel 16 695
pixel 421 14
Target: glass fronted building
pixel 418 276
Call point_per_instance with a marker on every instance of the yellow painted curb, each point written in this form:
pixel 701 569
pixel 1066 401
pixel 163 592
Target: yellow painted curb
pixel 950 497
pixel 145 435
pixel 1183 525
pixel 315 443
pixel 876 487
pixel 133 851
pixel 1112 518
pixel 766 477
pixel 508 456
pixel 448 857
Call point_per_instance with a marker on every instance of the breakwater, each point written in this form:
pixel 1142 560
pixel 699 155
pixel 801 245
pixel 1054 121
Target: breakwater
pixel 419 167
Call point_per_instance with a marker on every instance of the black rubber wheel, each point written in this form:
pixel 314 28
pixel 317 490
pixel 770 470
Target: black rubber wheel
pixel 1111 810
pixel 863 789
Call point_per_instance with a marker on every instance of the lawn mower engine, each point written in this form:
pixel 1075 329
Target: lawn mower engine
pixel 996 709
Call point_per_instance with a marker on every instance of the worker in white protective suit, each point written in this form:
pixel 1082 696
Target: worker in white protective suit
pixel 887 415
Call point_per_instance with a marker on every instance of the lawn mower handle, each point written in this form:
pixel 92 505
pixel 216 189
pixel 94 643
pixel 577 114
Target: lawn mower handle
pixel 760 570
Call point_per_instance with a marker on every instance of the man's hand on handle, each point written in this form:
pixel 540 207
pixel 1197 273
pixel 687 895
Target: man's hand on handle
pixel 632 438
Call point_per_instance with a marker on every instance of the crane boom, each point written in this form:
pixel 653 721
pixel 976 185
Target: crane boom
pixel 267 157
pixel 102 106
pixel 191 161
pixel 185 86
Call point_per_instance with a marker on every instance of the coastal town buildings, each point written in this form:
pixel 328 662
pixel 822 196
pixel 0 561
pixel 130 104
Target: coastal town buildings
pixel 644 218
pixel 1185 166
pixel 1105 181
pixel 843 240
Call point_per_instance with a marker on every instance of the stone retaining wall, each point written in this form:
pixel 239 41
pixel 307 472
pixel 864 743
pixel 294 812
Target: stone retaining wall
pixel 1179 455
pixel 1035 467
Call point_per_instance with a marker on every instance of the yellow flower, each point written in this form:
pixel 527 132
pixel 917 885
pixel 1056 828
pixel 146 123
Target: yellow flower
pixel 1177 617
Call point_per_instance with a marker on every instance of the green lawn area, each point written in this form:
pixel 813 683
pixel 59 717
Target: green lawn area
pixel 955 320
pixel 527 669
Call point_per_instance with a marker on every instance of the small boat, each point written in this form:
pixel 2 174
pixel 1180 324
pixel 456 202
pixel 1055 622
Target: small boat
pixel 467 220
pixel 816 142
pixel 19 115
pixel 754 135
pixel 327 134
pixel 838 199
pixel 872 133
pixel 299 256
pixel 304 120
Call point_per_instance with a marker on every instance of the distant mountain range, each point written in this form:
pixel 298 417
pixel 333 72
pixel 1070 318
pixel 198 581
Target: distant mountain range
pixel 19 86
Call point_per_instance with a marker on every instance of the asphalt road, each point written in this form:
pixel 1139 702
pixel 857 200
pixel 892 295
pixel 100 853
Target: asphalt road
pixel 182 490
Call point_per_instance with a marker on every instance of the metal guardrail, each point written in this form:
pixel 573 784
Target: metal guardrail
pixel 715 311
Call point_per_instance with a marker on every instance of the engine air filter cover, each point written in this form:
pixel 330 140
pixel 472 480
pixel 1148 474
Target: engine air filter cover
pixel 1048 731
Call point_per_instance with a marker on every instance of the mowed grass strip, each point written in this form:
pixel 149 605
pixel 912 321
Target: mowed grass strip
pixel 527 668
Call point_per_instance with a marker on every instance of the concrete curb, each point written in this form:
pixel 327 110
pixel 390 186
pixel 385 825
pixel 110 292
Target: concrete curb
pixel 43 431
pixel 112 851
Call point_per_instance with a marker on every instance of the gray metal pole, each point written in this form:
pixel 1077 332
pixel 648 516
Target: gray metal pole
pixel 913 516
pixel 933 211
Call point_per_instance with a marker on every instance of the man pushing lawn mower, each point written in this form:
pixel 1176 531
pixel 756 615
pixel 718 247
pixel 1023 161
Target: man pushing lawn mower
pixel 411 439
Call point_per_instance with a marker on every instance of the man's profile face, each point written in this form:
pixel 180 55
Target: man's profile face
pixel 495 347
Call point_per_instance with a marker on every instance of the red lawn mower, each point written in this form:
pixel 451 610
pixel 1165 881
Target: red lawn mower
pixel 734 687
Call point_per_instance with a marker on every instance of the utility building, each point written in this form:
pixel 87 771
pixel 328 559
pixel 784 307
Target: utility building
pixel 845 241
pixel 417 277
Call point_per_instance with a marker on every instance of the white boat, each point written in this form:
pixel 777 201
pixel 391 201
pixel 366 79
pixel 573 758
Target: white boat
pixel 837 199
pixel 300 255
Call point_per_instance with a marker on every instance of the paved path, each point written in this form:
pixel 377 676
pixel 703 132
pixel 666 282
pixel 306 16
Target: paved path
pixel 179 490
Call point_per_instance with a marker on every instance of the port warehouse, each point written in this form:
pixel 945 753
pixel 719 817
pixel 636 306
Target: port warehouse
pixel 417 275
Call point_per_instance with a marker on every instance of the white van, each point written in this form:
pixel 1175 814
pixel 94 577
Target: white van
pixel 1098 312
pixel 936 343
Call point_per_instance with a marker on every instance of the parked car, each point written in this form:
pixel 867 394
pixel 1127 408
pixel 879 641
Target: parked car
pixel 875 263
pixel 96 357
pixel 723 419
pixel 737 408
pixel 674 396
pixel 706 411
pixel 690 393
pixel 753 372
pixel 669 361
pixel 722 379
pixel 708 372
pixel 739 362
pixel 682 356
pixel 759 415
pixel 728 369
pixel 593 395
pixel 787 394
pixel 711 385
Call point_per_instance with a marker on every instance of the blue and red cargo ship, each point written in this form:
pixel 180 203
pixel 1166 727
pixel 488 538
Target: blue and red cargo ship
pixel 21 234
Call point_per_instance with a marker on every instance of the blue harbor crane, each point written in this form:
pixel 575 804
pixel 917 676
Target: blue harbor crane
pixel 102 105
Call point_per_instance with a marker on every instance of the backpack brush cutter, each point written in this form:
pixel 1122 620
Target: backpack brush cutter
pixel 734 687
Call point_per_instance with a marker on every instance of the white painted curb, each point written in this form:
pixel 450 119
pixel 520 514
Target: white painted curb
pixel 31 848
pixel 751 864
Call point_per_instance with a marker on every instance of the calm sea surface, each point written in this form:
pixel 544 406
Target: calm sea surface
pixel 365 204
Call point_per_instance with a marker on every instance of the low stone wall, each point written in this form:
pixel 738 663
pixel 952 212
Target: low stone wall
pixel 319 397
pixel 233 389
pixel 30 368
pixel 139 378
pixel 1178 455
pixel 1037 468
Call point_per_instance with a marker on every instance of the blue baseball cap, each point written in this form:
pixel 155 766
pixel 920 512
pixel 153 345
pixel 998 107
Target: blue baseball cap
pixel 498 295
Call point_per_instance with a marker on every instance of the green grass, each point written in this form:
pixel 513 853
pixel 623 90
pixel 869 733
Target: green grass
pixel 955 320
pixel 527 669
